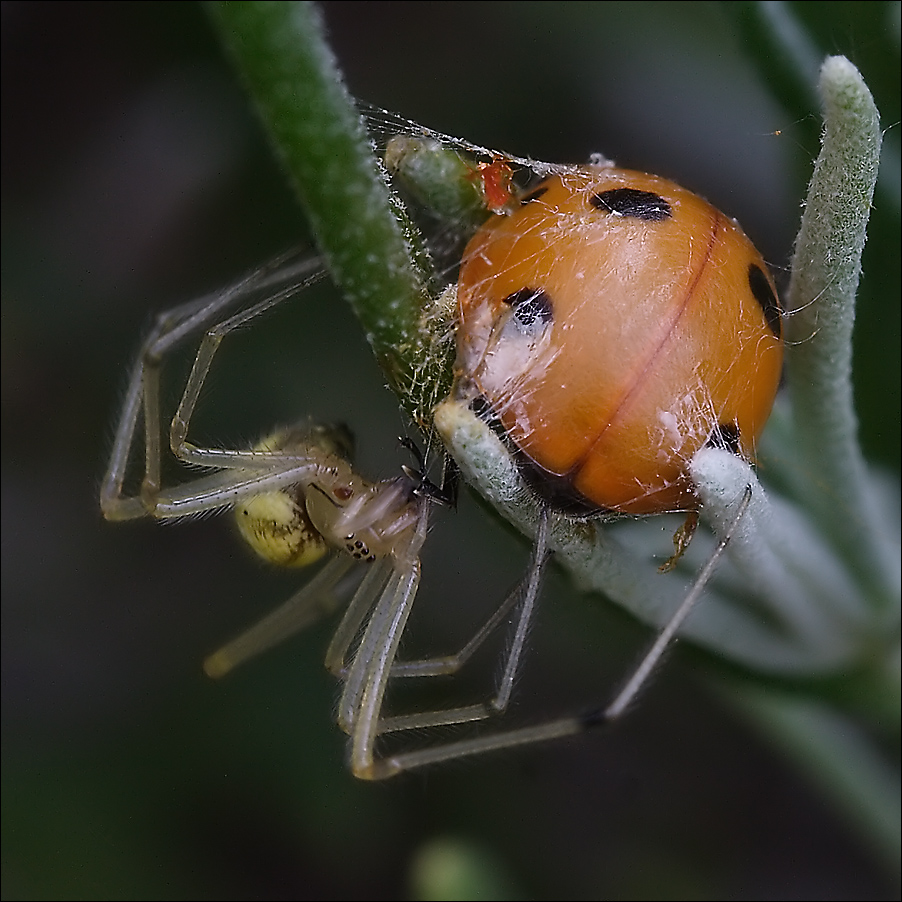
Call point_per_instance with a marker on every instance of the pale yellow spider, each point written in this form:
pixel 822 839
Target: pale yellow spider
pixel 296 496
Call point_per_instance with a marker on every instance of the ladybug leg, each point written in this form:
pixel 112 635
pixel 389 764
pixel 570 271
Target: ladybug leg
pixel 681 539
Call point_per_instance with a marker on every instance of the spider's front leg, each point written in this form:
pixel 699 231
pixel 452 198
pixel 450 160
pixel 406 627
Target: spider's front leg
pixel 114 504
pixel 258 292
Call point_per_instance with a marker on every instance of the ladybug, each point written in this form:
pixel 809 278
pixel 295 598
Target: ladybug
pixel 611 324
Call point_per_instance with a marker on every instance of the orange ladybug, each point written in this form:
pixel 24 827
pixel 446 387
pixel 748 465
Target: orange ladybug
pixel 611 325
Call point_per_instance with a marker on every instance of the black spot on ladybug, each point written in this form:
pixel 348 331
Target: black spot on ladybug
pixel 556 491
pixel 765 296
pixel 531 305
pixel 725 436
pixel 533 195
pixel 644 205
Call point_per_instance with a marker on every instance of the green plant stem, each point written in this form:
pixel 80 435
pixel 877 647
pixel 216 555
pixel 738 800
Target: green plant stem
pixel 825 274
pixel 369 247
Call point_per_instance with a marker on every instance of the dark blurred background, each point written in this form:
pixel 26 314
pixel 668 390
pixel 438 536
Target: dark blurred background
pixel 134 177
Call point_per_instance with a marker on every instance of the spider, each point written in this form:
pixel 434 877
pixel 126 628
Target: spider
pixel 296 497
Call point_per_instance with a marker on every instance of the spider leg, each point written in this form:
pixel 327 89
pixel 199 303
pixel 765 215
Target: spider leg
pixel 114 505
pixel 371 588
pixel 371 669
pixel 213 337
pixel 313 601
pixel 665 637
pixel 282 277
pixel 222 489
pixel 375 584
pixel 447 665
pixel 374 659
pixel 526 595
pixel 367 676
pixel 367 765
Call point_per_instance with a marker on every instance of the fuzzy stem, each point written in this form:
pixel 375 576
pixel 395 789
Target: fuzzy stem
pixel 825 275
